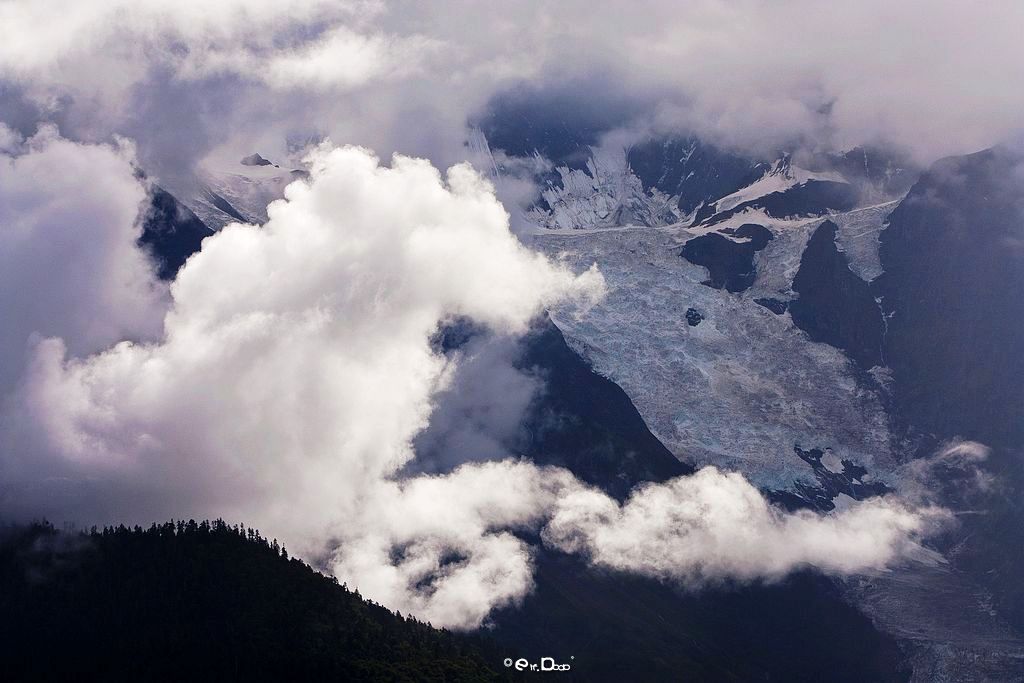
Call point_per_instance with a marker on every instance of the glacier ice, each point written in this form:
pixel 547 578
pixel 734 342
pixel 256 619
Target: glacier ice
pixel 745 386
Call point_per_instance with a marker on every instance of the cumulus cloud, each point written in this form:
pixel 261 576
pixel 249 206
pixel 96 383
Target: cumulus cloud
pixel 444 546
pixel 293 370
pixel 297 353
pixel 69 266
pixel 451 548
pixel 715 525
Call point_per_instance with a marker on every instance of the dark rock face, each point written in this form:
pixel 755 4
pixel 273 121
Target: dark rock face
pixel 255 160
pixel 890 172
pixel 170 233
pixel 455 335
pixel 835 306
pixel 850 480
pixel 586 423
pixel 730 263
pixel 621 627
pixel 697 172
pixel 693 317
pixel 776 306
pixel 953 256
pixel 560 122
pixel 578 419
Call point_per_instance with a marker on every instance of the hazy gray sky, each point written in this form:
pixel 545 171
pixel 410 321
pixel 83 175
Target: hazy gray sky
pixel 187 76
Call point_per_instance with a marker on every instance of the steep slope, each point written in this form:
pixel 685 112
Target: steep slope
pixel 205 601
pixel 690 169
pixel 617 627
pixel 954 270
pixel 834 305
pixel 170 232
pixel 742 388
pixel 586 423
pixel 576 418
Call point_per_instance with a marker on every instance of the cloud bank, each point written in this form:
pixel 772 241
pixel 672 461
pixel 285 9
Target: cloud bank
pixel 401 76
pixel 293 369
pixel 715 525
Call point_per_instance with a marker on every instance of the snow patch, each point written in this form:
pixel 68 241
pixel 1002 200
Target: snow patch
pixel 780 177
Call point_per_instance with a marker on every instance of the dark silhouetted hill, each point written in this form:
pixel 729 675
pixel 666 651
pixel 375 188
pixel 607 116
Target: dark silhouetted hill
pixel 193 601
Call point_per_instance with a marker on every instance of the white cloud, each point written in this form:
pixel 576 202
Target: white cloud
pixel 295 366
pixel 69 266
pixel 58 48
pixel 443 547
pixel 345 59
pixel 716 525
pixel 395 549
pixel 405 76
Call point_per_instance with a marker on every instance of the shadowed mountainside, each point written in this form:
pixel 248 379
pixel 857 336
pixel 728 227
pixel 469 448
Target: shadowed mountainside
pixel 203 601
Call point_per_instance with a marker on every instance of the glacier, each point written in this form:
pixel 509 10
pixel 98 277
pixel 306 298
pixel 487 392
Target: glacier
pixel 741 389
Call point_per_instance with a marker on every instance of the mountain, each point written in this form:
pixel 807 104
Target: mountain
pixel 620 627
pixel 768 317
pixel 605 193
pixel 833 305
pixel 203 601
pixel 577 419
pixel 171 232
pixel 690 169
pixel 614 624
pixel 782 190
pixel 223 191
pixel 812 327
pixel 953 255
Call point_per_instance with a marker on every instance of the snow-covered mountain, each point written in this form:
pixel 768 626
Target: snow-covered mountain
pixel 721 388
pixel 223 191
pixel 767 331
pixel 697 328
pixel 688 182
pixel 767 317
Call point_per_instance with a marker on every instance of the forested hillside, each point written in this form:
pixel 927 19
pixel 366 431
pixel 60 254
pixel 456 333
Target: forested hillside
pixel 200 601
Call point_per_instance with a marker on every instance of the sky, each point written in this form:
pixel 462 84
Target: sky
pixel 284 377
pixel 185 78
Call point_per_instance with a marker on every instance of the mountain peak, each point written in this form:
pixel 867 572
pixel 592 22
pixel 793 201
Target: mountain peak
pixel 255 159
